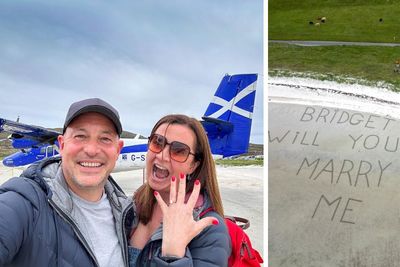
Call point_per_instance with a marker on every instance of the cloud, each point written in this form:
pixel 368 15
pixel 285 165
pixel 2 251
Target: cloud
pixel 148 58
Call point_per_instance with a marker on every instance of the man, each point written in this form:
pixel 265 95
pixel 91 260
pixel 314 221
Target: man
pixel 68 211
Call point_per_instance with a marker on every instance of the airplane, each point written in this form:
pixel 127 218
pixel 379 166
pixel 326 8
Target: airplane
pixel 227 121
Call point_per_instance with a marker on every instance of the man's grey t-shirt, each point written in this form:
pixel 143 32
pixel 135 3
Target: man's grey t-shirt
pixel 96 221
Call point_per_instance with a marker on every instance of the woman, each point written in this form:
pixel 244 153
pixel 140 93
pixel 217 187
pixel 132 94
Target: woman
pixel 180 172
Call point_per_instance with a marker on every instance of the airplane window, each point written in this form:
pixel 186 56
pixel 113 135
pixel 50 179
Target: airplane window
pixel 49 151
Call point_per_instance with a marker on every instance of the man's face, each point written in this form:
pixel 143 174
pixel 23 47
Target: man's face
pixel 89 149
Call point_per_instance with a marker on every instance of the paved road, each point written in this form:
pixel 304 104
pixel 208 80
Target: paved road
pixel 332 43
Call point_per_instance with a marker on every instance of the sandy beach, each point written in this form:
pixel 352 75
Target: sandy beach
pixel 241 189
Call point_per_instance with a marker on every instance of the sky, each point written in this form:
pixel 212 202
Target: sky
pixel 146 58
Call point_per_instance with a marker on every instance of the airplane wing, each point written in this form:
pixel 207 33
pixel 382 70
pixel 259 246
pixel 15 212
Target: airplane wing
pixel 25 136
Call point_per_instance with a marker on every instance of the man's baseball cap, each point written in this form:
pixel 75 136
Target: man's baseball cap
pixel 93 105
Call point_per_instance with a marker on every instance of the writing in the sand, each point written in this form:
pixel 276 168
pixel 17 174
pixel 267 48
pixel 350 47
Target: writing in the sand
pixel 339 209
pixel 347 172
pixel 356 142
pixel 351 171
pixel 337 116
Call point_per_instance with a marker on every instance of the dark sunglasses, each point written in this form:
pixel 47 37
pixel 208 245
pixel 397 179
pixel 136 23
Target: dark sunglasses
pixel 177 151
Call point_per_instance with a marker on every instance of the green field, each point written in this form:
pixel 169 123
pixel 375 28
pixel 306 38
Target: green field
pixel 238 162
pixel 345 21
pixel 372 64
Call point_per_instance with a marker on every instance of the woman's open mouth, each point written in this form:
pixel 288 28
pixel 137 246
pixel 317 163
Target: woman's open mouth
pixel 160 172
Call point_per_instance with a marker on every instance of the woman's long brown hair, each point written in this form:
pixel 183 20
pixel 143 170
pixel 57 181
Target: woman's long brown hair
pixel 205 172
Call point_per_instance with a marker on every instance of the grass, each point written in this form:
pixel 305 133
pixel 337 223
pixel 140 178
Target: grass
pixel 238 162
pixel 345 21
pixel 372 64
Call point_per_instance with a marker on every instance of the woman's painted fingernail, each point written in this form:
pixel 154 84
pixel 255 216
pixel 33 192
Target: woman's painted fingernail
pixel 215 222
pixel 197 182
pixel 155 193
pixel 182 175
pixel 173 178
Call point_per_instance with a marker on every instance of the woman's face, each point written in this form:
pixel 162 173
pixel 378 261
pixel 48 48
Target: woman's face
pixel 160 167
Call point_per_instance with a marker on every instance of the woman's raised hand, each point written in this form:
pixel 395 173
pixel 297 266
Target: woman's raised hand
pixel 179 227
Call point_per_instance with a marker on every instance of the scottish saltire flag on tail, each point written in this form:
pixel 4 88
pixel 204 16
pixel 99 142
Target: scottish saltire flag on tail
pixel 228 118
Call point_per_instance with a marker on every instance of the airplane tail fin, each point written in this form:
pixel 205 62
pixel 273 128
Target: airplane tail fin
pixel 228 118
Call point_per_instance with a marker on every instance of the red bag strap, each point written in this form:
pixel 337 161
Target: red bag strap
pixel 205 211
pixel 241 222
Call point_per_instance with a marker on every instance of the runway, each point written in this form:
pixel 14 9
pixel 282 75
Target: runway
pixel 241 190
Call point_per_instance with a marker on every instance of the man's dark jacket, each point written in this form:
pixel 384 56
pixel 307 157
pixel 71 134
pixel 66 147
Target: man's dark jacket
pixel 36 228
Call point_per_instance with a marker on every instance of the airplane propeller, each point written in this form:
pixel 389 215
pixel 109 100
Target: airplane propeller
pixel 9 137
